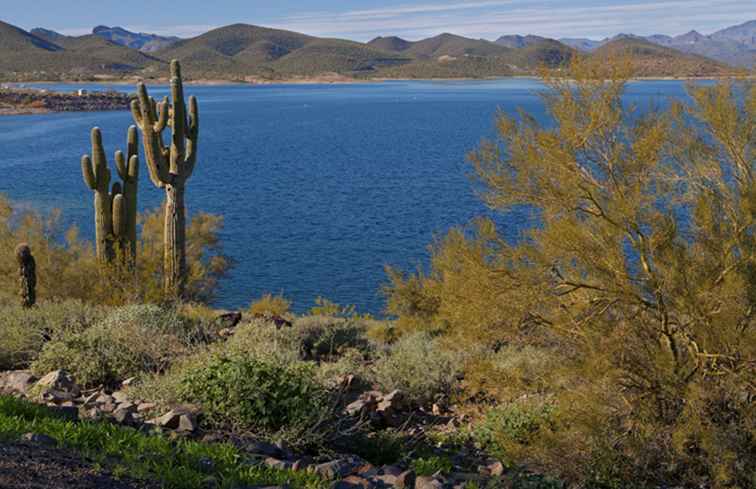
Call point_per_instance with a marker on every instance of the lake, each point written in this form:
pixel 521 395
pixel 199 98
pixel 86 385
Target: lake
pixel 320 186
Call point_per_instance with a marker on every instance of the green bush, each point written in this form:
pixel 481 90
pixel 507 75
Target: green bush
pixel 420 367
pixel 431 465
pixel 515 423
pixel 23 332
pixel 247 393
pixel 325 338
pixel 262 339
pixel 130 341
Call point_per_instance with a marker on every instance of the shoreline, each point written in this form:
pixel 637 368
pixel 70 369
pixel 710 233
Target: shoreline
pixel 341 80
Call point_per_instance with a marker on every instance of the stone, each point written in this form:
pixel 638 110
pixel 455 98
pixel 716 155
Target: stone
pixel 495 468
pixel 169 420
pixel 263 448
pixel 120 396
pixel 59 380
pixel 128 382
pixel 187 423
pixel 69 413
pixel 277 464
pixel 406 480
pixel 145 406
pixel 391 470
pixel 103 398
pixel 124 414
pixel 334 469
pixel 17 381
pixel 353 482
pixel 108 407
pixel 40 439
pixel 427 482
pixel 360 406
pixel 229 320
pixel 205 465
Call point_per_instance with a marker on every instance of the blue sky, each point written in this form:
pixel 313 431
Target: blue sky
pixel 413 19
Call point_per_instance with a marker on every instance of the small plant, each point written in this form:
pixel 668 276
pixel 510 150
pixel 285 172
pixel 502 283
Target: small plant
pixel 27 272
pixel 516 423
pixel 246 393
pixel 270 305
pixel 325 338
pixel 420 367
pixel 432 465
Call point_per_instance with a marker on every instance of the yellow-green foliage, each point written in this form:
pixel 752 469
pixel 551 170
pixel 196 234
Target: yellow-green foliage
pixel 640 280
pixel 23 331
pixel 270 305
pixel 129 341
pixel 68 269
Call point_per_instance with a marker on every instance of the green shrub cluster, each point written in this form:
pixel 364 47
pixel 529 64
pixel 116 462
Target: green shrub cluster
pixel 247 393
pixel 129 341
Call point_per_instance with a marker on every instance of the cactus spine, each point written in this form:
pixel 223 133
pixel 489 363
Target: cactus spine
pixel 170 167
pixel 111 209
pixel 27 271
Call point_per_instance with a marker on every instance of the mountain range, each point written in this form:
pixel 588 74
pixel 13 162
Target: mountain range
pixel 734 45
pixel 244 52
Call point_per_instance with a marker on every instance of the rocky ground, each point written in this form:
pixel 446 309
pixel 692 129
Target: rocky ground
pixel 60 391
pixel 33 464
pixel 28 101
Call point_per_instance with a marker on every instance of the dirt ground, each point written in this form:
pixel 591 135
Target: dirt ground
pixel 28 466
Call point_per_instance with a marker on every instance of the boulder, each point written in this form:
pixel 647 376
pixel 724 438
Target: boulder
pixel 406 480
pixel 17 381
pixel 40 439
pixel 335 469
pixel 60 381
pixel 427 482
pixel 120 396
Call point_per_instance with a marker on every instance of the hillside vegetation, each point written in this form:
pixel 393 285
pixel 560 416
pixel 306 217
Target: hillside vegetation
pixel 244 52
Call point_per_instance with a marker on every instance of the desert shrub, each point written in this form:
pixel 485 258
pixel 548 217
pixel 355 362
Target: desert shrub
pixel 270 305
pixel 263 340
pixel 417 365
pixel 512 424
pixel 324 338
pixel 351 362
pixel 130 341
pixel 23 332
pixel 247 393
pixel 325 307
pixel 382 332
pixel 67 268
pixel 430 465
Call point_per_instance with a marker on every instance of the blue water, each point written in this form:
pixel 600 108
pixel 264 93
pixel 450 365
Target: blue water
pixel 320 186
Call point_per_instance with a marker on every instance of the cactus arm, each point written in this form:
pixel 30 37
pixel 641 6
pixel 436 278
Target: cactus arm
pixel 120 162
pixel 86 171
pixel 154 148
pixel 119 216
pixel 136 113
pixel 101 171
pixel 132 142
pixel 192 138
pixel 163 118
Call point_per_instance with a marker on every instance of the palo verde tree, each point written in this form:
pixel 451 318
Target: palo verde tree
pixel 170 167
pixel 641 271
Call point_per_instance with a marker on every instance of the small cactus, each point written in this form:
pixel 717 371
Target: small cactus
pixel 27 271
pixel 170 167
pixel 113 211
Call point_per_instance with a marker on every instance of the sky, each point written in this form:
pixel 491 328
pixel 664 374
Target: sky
pixel 362 20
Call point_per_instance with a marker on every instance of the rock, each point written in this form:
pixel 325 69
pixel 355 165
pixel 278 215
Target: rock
pixel 360 406
pixel 124 414
pixel 69 413
pixel 229 320
pixel 18 381
pixel 120 396
pixel 145 406
pixel 107 407
pixel 187 423
pixel 390 470
pixel 427 482
pixel 59 380
pixel 335 469
pixel 353 482
pixel 169 420
pixel 89 399
pixel 205 465
pixel 40 439
pixel 263 448
pixel 301 464
pixel 128 382
pixel 56 396
pixel 277 464
pixel 495 469
pixel 406 480
pixel 103 398
pixel 394 399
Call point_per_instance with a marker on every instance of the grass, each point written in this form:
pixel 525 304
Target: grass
pixel 175 463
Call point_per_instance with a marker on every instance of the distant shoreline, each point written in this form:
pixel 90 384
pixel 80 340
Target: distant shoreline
pixel 344 80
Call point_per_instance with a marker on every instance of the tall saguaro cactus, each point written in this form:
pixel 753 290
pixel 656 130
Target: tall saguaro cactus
pixel 170 167
pixel 110 207
pixel 27 271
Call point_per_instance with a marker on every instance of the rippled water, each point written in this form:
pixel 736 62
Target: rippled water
pixel 320 186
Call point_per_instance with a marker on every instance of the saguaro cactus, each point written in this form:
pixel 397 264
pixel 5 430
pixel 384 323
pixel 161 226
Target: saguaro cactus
pixel 128 170
pixel 170 167
pixel 27 271
pixel 110 208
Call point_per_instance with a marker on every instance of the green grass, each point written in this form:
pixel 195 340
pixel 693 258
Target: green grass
pixel 174 463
